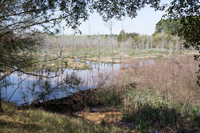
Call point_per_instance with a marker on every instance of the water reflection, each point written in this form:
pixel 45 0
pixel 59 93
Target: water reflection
pixel 25 88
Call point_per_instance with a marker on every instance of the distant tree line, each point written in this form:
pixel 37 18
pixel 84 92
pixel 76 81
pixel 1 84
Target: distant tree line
pixel 126 35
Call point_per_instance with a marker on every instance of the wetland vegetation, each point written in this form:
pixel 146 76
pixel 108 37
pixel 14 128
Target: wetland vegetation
pixel 147 94
pixel 130 82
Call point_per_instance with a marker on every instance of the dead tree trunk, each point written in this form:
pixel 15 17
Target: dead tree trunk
pixel 147 46
pixel 109 25
pixel 111 40
pixel 177 46
pixel 172 53
pixel 143 39
pixel 122 48
pixel 163 45
pixel 151 42
pixel 104 52
pixel 98 52
pixel 61 59
pixel 73 47
pixel 0 101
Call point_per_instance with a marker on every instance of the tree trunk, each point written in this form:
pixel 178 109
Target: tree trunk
pixel 143 39
pixel 98 47
pixel 0 101
pixel 73 47
pixel 177 46
pixel 122 48
pixel 61 59
pixel 136 47
pixel 90 48
pixel 147 46
pixel 163 45
pixel 84 49
pixel 151 42
pixel 104 53
pixel 75 43
pixel 172 53
pixel 111 39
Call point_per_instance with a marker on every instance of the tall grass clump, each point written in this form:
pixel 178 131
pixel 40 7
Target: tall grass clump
pixel 166 97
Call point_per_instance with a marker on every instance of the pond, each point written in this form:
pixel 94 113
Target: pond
pixel 22 88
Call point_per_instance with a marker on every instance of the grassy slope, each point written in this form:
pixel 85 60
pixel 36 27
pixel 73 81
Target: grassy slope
pixel 15 120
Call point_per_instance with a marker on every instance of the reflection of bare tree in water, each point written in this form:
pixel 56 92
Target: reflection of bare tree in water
pixel 43 90
pixel 4 84
pixel 98 74
pixel 39 88
pixel 112 72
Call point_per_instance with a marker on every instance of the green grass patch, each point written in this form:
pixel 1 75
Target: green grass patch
pixel 149 111
pixel 106 98
pixel 16 120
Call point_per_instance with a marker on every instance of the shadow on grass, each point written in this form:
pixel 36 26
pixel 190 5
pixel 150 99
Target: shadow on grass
pixel 164 119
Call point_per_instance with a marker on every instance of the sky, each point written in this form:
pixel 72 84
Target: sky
pixel 144 23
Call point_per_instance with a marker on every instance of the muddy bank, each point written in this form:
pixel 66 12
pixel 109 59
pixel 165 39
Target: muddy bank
pixel 85 99
pixel 76 102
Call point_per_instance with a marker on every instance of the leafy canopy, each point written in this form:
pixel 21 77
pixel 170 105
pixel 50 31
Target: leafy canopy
pixel 186 15
pixel 168 26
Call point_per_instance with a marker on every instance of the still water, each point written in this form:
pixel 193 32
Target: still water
pixel 24 88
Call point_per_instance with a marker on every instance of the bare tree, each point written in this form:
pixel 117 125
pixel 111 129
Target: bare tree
pixel 162 44
pixel 122 46
pixel 89 40
pixel 73 46
pixel 143 39
pixel 177 45
pixel 109 24
pixel 104 50
pixel 147 46
pixel 171 53
pixel 98 43
pixel 151 41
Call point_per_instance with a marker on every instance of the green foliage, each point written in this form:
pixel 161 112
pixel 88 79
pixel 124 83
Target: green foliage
pixel 108 98
pixel 184 17
pixel 103 122
pixel 141 40
pixel 190 32
pixel 125 35
pixel 186 13
pixel 160 38
pixel 121 35
pixel 17 53
pixel 168 26
pixel 132 35
pixel 150 111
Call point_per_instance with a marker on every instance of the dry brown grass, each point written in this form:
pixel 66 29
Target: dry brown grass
pixel 165 93
pixel 178 79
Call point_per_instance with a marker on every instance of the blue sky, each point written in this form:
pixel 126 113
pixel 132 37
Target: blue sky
pixel 144 23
